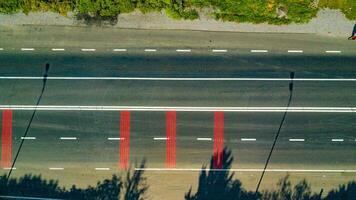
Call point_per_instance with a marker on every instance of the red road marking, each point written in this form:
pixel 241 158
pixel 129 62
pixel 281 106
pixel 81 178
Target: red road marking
pixel 6 139
pixel 171 118
pixel 218 139
pixel 125 141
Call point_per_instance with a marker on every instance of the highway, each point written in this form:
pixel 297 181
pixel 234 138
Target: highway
pixel 75 135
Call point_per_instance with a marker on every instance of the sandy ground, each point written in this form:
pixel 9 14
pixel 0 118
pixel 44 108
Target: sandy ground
pixel 328 22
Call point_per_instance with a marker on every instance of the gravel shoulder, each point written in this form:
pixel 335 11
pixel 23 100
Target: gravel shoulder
pixel 328 22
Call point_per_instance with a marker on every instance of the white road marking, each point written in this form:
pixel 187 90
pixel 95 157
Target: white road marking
pixel 102 169
pixel 115 138
pixel 248 139
pixel 1 49
pixel 254 170
pixel 176 79
pixel 88 50
pixel 259 51
pixel 150 50
pixel 8 168
pixel 27 49
pixel 56 168
pixel 219 50
pixel 183 50
pixel 332 51
pixel 204 139
pixel 296 140
pixel 28 138
pixel 295 51
pixel 181 109
pixel 160 138
pixel 58 49
pixel 68 138
pixel 120 50
pixel 337 140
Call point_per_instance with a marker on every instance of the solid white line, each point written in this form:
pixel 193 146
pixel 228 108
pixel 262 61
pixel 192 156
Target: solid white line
pixel 102 169
pixel 27 49
pixel 295 51
pixel 181 109
pixel 177 79
pixel 115 138
pixel 8 168
pixel 120 50
pixel 296 140
pixel 57 49
pixel 160 138
pixel 28 138
pixel 332 51
pixel 56 168
pixel 219 50
pixel 68 138
pixel 183 50
pixel 88 50
pixel 248 139
pixel 253 170
pixel 204 139
pixel 259 51
pixel 337 140
pixel 150 50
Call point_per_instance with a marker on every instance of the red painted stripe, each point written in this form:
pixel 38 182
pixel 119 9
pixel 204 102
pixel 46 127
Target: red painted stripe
pixel 125 139
pixel 218 139
pixel 171 118
pixel 6 139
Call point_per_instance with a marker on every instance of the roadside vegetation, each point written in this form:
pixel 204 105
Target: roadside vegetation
pixel 254 11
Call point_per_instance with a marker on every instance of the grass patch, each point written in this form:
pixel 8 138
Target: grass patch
pixel 348 7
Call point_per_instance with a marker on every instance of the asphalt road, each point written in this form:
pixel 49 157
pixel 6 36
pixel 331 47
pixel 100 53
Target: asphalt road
pixel 328 139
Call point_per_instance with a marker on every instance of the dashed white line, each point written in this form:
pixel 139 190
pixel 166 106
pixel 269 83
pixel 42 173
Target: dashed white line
pixel 337 140
pixel 102 169
pixel 254 170
pixel 88 50
pixel 160 138
pixel 115 138
pixel 1 49
pixel 296 140
pixel 204 139
pixel 8 168
pixel 150 50
pixel 28 138
pixel 58 49
pixel 183 50
pixel 68 138
pixel 248 139
pixel 219 50
pixel 259 51
pixel 295 51
pixel 121 50
pixel 332 51
pixel 27 49
pixel 56 168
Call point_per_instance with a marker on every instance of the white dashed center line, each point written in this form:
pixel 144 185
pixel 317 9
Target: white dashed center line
pixel 28 138
pixel 295 51
pixel 296 140
pixel 88 50
pixel 27 49
pixel 102 169
pixel 1 49
pixel 183 50
pixel 204 139
pixel 115 138
pixel 68 138
pixel 160 138
pixel 219 50
pixel 259 51
pixel 248 139
pixel 120 50
pixel 56 168
pixel 8 168
pixel 332 51
pixel 150 50
pixel 337 140
pixel 58 49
